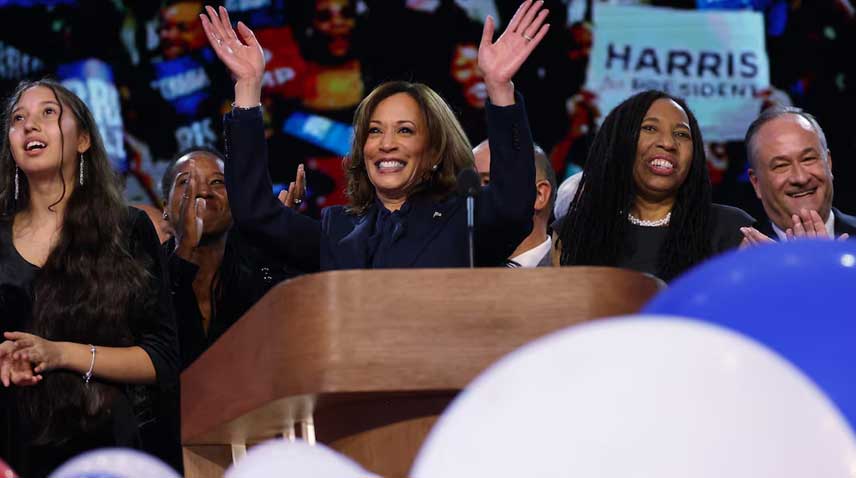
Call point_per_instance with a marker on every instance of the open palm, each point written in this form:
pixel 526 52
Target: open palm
pixel 500 60
pixel 243 56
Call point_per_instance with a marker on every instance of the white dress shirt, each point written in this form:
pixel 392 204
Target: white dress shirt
pixel 532 257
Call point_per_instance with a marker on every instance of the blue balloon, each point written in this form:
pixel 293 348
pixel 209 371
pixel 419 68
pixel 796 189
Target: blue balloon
pixel 798 298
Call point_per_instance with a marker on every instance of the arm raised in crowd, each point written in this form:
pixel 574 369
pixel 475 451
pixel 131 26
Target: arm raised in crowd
pixel 505 206
pixel 256 210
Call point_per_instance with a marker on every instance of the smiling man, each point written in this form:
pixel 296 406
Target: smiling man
pixel 791 171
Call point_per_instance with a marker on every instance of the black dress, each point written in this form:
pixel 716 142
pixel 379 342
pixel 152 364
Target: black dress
pixel 144 417
pixel 643 243
pixel 245 275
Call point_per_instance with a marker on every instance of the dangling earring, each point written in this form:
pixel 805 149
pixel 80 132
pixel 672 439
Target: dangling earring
pixel 81 169
pixel 434 168
pixel 17 185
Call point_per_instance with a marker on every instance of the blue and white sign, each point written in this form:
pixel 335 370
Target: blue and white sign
pixel 715 60
pixel 183 82
pixel 331 135
pixel 92 81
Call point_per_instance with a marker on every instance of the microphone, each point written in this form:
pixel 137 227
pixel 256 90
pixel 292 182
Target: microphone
pixel 469 185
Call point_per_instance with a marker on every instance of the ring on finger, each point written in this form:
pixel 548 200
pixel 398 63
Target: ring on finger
pixel 298 201
pixel 527 37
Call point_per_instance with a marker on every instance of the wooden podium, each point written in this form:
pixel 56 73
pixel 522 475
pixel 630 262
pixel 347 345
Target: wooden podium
pixel 365 361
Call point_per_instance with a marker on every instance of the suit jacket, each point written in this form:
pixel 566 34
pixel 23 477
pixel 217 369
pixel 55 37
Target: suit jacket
pixel 844 223
pixel 435 233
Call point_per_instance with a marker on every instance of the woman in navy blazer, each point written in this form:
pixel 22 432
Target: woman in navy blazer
pixel 407 151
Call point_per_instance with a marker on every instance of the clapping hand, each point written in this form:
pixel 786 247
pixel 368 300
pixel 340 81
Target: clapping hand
pixel 188 230
pixel 809 225
pixel 293 196
pixel 500 60
pixel 806 225
pixel 243 56
pixel 753 237
pixel 15 371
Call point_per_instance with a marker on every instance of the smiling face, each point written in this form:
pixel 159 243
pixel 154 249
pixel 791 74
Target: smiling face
pixel 180 29
pixel 210 185
pixel 792 170
pixel 38 141
pixel 394 151
pixel 336 19
pixel 664 150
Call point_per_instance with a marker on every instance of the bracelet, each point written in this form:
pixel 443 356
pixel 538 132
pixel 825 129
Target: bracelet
pixel 88 375
pixel 245 108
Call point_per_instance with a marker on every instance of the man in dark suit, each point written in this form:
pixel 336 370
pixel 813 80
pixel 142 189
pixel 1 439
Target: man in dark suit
pixel 534 250
pixel 791 171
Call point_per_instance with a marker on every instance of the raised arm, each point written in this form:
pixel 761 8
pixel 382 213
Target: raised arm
pixel 500 60
pixel 506 206
pixel 264 220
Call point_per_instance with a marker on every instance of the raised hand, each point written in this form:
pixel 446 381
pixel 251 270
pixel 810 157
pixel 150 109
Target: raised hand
pixel 293 196
pixel 500 60
pixel 188 230
pixel 243 56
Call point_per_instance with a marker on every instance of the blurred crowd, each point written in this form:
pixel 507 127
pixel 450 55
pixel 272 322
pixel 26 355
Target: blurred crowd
pixel 323 56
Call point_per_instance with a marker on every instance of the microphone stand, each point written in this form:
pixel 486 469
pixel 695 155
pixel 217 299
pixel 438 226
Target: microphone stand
pixel 471 205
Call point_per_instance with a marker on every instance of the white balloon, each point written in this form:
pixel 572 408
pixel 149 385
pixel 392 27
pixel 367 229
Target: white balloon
pixel 114 463
pixel 640 397
pixel 296 459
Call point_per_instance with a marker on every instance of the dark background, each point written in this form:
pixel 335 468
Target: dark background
pixel 324 55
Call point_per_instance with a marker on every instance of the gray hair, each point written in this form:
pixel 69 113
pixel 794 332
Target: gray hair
pixel 775 112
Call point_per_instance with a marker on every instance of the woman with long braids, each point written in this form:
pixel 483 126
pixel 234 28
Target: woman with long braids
pixel 644 201
pixel 89 356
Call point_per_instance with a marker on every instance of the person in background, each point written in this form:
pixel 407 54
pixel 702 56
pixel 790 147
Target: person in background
pixel 215 275
pixel 791 172
pixel 90 354
pixel 180 31
pixel 534 250
pixel 644 200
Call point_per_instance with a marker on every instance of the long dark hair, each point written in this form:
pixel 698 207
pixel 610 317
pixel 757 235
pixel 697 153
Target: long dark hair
pixel 594 231
pixel 84 291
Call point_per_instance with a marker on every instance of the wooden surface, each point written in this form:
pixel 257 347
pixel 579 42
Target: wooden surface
pixel 363 350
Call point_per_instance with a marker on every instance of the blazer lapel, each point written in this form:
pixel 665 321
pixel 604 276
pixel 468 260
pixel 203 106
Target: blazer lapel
pixel 425 220
pixel 353 247
pixel 844 223
pixel 766 227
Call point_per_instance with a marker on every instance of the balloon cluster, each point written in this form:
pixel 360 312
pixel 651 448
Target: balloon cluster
pixel 744 367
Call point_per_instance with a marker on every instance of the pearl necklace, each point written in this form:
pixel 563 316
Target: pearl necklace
pixel 643 222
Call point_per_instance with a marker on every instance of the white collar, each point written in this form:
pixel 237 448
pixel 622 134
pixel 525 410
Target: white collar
pixel 533 256
pixel 830 228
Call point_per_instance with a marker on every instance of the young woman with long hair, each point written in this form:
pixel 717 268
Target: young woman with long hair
pixel 89 356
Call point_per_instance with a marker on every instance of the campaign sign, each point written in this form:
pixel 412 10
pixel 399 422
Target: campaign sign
pixel 285 68
pixel 92 81
pixel 16 64
pixel 183 82
pixel 715 60
pixel 257 13
pixel 331 135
